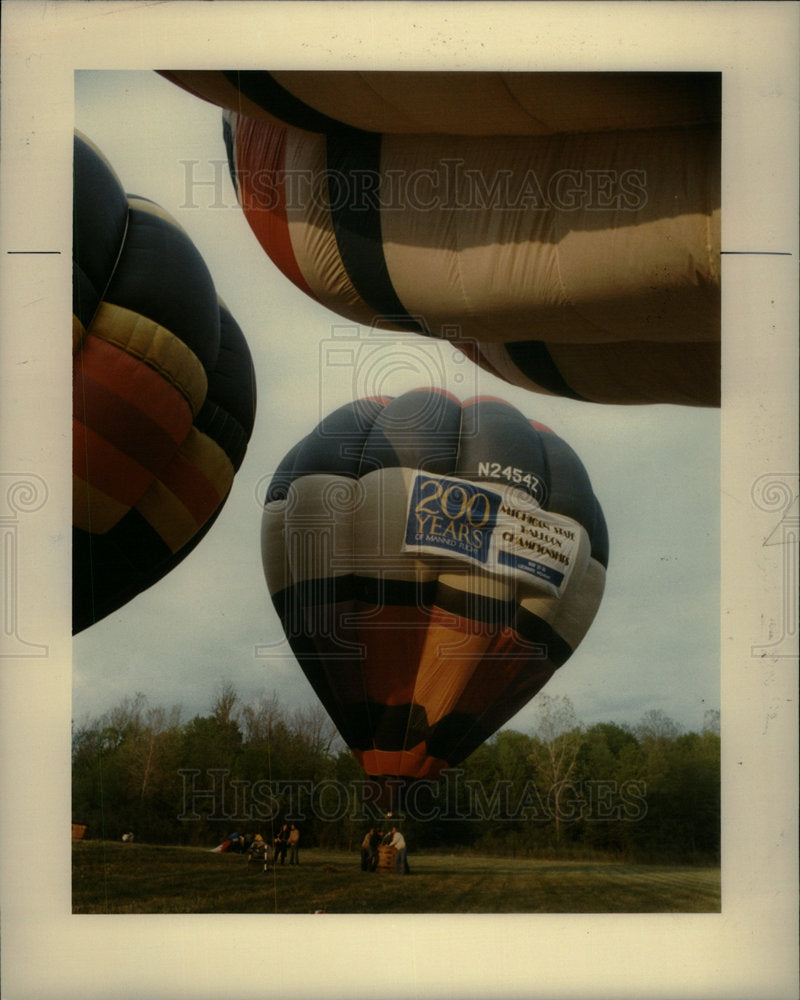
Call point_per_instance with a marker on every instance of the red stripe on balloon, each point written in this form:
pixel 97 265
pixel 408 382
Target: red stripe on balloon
pixel 414 763
pixel 104 466
pixel 124 425
pixel 261 171
pixel 192 487
pixel 115 390
pixel 496 675
pixel 393 637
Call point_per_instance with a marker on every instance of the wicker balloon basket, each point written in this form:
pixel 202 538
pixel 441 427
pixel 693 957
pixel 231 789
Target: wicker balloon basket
pixel 386 855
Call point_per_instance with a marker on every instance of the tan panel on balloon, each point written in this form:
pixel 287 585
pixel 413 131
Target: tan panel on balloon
pixel 311 228
pixel 453 259
pixel 474 103
pixel 310 534
pixel 380 525
pixel 575 612
pixel 650 268
pixel 557 264
pixel 639 372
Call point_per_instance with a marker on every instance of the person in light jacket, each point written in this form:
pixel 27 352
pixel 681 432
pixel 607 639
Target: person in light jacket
pixel 398 841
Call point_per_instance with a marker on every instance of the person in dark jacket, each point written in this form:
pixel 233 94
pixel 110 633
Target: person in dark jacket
pixel 366 850
pixel 293 840
pixel 374 844
pixel 281 844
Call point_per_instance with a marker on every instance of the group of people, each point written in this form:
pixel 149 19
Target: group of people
pixel 286 842
pixel 374 839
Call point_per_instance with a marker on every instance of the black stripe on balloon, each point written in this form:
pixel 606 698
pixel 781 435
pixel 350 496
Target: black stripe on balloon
pixel 354 170
pixel 599 536
pixel 333 448
pixel 263 89
pixel 535 362
pixel 455 736
pixel 392 727
pixel 373 591
pixel 476 607
pixel 85 296
pixel 385 592
pixel 232 382
pixel 227 137
pixel 224 430
pixel 315 592
pixel 382 592
pixel 536 630
pixel 352 721
pixel 505 614
pixel 109 569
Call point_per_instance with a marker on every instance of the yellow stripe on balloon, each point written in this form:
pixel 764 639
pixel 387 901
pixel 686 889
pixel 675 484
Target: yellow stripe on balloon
pixel 167 512
pixel 206 455
pixel 157 347
pixel 167 515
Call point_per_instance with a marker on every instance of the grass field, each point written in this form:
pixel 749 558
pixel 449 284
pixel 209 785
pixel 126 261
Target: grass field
pixel 141 878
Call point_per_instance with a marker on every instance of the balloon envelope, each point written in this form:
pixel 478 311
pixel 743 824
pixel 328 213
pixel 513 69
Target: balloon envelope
pixel 432 563
pixel 163 393
pixel 564 228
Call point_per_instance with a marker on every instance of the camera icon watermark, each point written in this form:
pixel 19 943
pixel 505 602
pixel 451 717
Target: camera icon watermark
pixel 379 361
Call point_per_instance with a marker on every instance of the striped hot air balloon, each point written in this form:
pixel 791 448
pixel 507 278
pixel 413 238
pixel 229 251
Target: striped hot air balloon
pixel 163 393
pixel 432 564
pixel 564 227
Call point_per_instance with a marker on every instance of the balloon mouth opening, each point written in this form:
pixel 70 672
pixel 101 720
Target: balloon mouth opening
pixel 393 797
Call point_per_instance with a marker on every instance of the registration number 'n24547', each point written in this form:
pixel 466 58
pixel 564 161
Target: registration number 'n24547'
pixel 494 470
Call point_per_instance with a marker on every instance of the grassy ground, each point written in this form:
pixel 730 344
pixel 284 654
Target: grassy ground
pixel 142 878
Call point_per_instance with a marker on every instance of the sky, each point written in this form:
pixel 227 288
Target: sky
pixel 655 643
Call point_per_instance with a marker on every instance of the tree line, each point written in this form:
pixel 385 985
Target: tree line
pixel 649 792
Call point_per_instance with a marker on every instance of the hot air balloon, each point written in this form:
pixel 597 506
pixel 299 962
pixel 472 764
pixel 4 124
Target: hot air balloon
pixel 432 564
pixel 163 393
pixel 563 228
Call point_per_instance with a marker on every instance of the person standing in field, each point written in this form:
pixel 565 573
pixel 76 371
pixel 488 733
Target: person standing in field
pixel 294 843
pixel 281 844
pixel 365 849
pixel 398 842
pixel 374 842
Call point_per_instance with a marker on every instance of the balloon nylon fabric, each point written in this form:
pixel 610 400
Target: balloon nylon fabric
pixel 460 103
pixel 569 234
pixel 421 650
pixel 163 393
